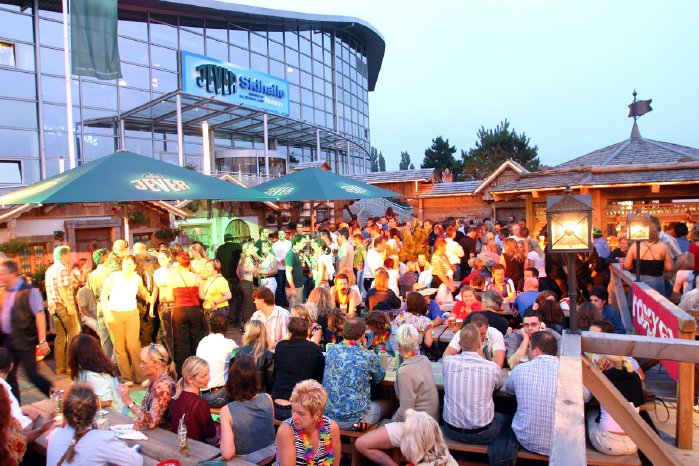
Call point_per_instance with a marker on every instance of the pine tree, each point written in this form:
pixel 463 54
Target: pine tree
pixel 382 162
pixel 495 146
pixel 440 155
pixel 405 161
pixel 374 159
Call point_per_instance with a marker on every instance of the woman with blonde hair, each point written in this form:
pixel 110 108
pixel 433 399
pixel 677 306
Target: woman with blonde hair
pixel 246 271
pixel 512 259
pixel 321 302
pixel 214 291
pixel 315 331
pixel 655 260
pixel 188 404
pixel 267 268
pixel 308 437
pixel 154 364
pixel 380 297
pixel 536 257
pixel 77 443
pixel 255 345
pixel 422 442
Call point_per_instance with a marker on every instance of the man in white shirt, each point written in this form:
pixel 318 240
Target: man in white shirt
pixel 492 341
pixel 374 260
pixel 274 318
pixel 216 349
pixel 516 232
pixel 279 249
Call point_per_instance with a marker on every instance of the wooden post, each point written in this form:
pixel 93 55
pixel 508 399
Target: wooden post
pixel 618 297
pixel 685 399
pixel 619 408
pixel 568 445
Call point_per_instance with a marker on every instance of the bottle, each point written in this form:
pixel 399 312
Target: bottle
pixel 182 436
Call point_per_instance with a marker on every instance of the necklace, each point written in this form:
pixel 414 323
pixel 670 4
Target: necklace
pixel 353 343
pixel 383 337
pixel 410 354
pixel 324 439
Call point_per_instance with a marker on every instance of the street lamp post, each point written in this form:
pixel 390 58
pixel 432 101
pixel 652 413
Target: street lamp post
pixel 638 230
pixel 569 220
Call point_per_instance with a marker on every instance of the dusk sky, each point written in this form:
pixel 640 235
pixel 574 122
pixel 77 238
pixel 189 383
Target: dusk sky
pixel 560 71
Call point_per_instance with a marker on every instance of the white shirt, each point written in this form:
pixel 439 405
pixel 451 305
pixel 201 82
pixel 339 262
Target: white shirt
pixel 280 248
pixel 493 342
pixel 95 448
pixel 275 325
pixel 539 262
pixel 372 261
pixel 122 291
pixel 14 406
pixel 216 349
pixel 454 251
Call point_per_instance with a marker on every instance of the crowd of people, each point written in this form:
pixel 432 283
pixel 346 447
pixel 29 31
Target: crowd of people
pixel 320 314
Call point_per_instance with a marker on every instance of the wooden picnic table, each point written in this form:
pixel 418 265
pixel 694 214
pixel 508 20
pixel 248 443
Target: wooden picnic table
pixel 390 377
pixel 161 444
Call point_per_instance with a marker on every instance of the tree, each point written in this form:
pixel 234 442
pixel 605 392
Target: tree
pixel 494 146
pixel 441 156
pixel 405 161
pixel 382 162
pixel 374 159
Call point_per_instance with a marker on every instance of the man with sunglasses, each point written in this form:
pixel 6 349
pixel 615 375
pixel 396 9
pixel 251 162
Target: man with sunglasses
pixel 517 342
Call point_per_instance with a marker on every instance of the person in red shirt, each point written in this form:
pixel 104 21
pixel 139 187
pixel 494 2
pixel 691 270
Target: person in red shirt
pixel 468 304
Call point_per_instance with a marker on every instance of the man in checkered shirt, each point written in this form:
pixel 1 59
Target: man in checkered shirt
pixel 61 304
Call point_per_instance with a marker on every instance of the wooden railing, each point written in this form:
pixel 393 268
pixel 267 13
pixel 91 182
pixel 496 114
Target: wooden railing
pixel 576 371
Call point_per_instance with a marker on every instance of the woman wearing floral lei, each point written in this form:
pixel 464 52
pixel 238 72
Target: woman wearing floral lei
pixel 379 338
pixel 308 437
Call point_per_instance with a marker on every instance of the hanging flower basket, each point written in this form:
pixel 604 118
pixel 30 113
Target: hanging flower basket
pixel 13 247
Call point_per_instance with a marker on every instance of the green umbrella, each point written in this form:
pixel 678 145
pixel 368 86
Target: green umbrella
pixel 124 176
pixel 315 184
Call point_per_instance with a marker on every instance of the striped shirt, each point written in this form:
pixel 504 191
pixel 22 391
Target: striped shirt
pixel 534 385
pixel 321 452
pixel 469 383
pixel 57 276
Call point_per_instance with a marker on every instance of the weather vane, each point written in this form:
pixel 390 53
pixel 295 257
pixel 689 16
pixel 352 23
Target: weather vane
pixel 639 108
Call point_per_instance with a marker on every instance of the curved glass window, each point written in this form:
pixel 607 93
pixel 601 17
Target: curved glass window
pixel 163 58
pixel 17 27
pixel 18 114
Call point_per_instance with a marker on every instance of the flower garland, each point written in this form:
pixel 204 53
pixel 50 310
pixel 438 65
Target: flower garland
pixel 353 343
pixel 324 439
pixel 410 354
pixel 383 337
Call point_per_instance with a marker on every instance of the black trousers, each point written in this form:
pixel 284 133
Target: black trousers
pixel 187 332
pixel 247 306
pixel 28 360
pixel 234 303
pixel 280 295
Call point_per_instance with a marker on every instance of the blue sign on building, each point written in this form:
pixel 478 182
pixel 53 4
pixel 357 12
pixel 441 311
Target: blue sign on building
pixel 209 77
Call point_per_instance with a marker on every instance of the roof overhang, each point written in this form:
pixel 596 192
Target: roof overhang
pixel 15 212
pixel 270 19
pixel 503 166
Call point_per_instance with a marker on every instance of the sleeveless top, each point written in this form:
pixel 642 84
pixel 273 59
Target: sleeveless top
pixel 320 455
pixel 185 295
pixel 653 267
pixel 514 269
pixel 253 424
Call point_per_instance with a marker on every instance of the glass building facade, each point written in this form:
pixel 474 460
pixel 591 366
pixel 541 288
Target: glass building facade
pixel 326 64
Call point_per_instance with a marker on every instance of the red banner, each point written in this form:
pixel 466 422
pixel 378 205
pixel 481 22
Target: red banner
pixel 652 319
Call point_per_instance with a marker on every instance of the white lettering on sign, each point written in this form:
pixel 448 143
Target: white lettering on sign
pixel 280 191
pixel 649 321
pixel 157 183
pixel 353 189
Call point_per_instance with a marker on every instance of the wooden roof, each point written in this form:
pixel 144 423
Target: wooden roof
pixel 453 189
pixel 634 161
pixel 398 176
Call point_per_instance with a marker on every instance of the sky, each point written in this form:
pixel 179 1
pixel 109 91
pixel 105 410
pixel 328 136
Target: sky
pixel 562 72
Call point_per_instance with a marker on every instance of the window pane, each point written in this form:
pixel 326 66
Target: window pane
pixel 19 143
pixel 132 51
pixel 276 51
pixel 240 57
pixel 258 43
pixel 292 75
pixel 50 33
pixel 163 58
pixel 291 39
pixel 217 30
pixel 56 144
pixel 163 81
pixel 92 113
pixel 216 49
pixel 306 80
pixel 163 34
pixel 54 90
pixel 135 29
pixel 139 146
pixel 95 147
pixel 18 114
pixel 239 37
pixel 276 69
pixel 55 117
pixel 16 27
pixel 292 58
pixel 7 54
pixel 294 93
pixel 191 42
pixel 305 46
pixel 134 76
pixel 99 95
pixel 259 63
pixel 131 98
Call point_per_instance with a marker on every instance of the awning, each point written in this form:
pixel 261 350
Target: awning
pixel 227 118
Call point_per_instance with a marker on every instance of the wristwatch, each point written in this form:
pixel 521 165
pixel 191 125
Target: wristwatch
pixel 42 342
pixel 131 405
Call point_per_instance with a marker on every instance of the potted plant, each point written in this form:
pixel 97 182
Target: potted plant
pixel 13 247
pixel 139 218
pixel 167 234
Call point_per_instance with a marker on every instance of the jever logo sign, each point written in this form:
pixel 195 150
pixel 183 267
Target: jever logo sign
pixel 158 183
pixel 350 188
pixel 280 190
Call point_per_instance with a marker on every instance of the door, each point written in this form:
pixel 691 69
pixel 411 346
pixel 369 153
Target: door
pixel 239 229
pixel 87 240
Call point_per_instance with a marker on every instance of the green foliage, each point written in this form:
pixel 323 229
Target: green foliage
pixel 293 159
pixel 13 246
pixel 139 218
pixel 382 162
pixel 374 159
pixel 168 234
pixel 414 242
pixel 495 146
pixel 405 162
pixel 440 155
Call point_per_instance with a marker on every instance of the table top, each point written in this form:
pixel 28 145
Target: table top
pixel 390 377
pixel 161 444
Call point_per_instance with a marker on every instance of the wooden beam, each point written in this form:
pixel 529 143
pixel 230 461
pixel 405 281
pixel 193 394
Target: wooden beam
pixel 655 188
pixel 640 346
pixel 685 400
pixel 568 446
pixel 657 451
pixel 535 194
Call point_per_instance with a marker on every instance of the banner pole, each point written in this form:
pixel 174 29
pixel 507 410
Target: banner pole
pixel 69 90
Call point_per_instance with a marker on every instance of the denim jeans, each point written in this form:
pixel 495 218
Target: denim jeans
pixel 483 437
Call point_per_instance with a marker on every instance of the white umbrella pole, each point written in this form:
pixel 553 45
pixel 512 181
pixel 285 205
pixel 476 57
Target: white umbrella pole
pixel 126 228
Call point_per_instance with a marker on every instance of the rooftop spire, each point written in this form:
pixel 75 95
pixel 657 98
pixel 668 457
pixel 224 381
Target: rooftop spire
pixel 635 132
pixel 638 108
